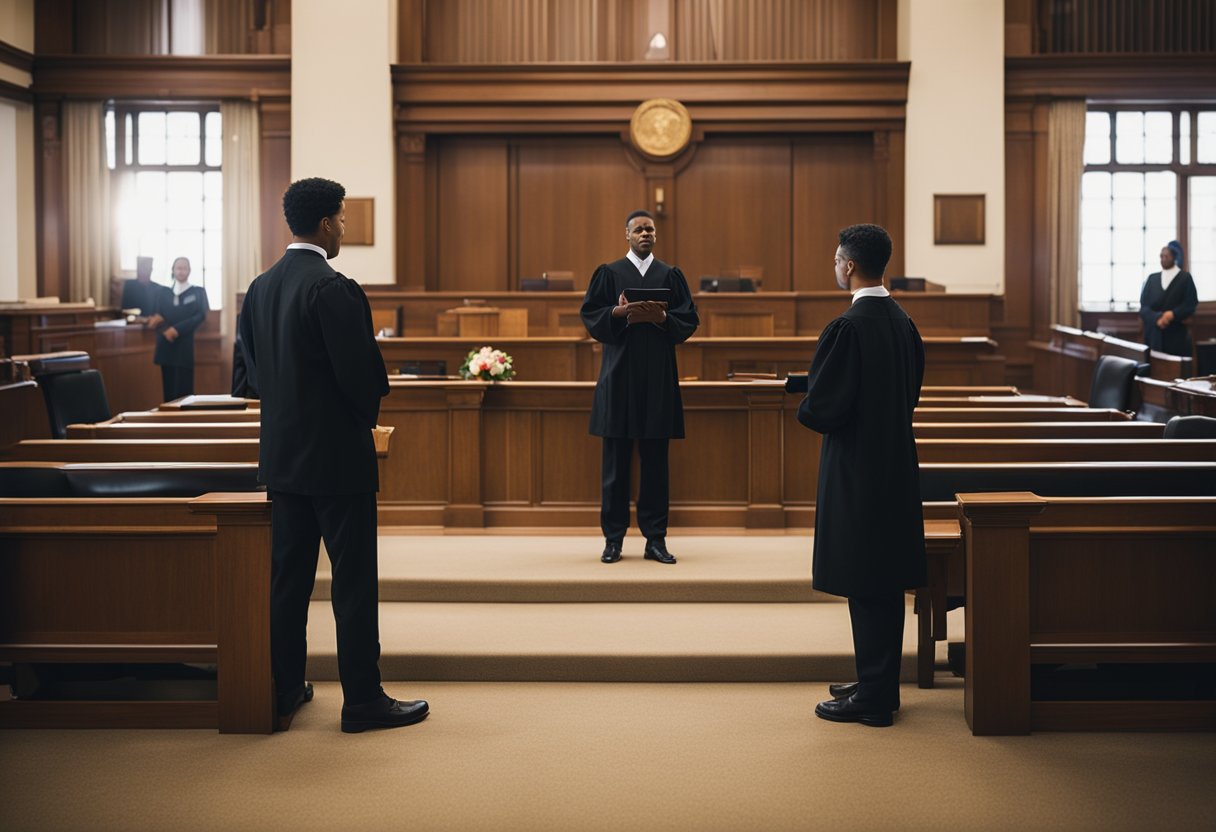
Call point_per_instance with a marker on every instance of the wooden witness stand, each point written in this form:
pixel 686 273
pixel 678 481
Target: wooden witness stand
pixel 138 581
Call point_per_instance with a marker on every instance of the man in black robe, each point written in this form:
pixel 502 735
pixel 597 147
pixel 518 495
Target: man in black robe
pixel 637 398
pixel 1167 301
pixel 310 352
pixel 864 383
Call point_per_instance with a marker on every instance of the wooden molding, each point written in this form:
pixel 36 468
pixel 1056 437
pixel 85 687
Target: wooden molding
pixel 167 77
pixel 17 58
pixel 1113 77
pixel 601 98
pixel 15 92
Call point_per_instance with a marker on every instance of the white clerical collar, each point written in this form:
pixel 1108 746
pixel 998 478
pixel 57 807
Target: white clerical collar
pixel 642 265
pixel 179 287
pixel 308 247
pixel 871 292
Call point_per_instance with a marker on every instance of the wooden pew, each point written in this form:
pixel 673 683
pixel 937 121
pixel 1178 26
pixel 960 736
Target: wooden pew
pixel 932 413
pixel 134 450
pixel 1034 430
pixel 176 429
pixel 1066 450
pixel 168 416
pixel 1054 581
pixel 139 581
pixel 999 401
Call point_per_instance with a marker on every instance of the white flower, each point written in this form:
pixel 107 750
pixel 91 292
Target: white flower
pixel 495 369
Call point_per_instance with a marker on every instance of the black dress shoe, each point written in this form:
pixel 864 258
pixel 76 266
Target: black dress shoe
pixel 657 550
pixel 612 552
pixel 843 690
pixel 847 710
pixel 292 700
pixel 384 712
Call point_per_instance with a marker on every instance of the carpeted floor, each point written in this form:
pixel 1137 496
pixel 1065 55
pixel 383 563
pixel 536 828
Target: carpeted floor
pixel 570 756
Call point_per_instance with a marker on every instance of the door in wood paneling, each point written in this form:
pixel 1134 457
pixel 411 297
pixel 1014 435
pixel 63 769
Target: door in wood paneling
pixel 471 215
pixel 732 209
pixel 573 197
pixel 833 187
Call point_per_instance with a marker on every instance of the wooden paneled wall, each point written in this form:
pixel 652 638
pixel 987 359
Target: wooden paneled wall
pixel 539 205
pixel 1122 26
pixel 520 31
pixel 783 30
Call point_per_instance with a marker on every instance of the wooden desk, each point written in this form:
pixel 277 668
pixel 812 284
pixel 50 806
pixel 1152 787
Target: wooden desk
pixel 24 413
pixel 781 314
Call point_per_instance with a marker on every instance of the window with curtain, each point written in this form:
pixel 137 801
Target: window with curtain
pixel 1150 177
pixel 169 192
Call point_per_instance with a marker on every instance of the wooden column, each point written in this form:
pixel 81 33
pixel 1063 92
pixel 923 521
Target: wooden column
pixel 996 535
pixel 412 220
pixel 52 202
pixel 242 610
pixel 465 505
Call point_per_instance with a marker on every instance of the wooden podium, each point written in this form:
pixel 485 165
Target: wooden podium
pixel 482 321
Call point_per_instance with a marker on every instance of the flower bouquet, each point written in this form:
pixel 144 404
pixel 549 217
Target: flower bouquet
pixel 487 364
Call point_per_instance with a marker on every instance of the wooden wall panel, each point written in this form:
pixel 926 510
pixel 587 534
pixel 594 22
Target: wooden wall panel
pixel 776 30
pixel 833 187
pixel 734 210
pixel 525 31
pixel 471 217
pixel 572 199
pixel 274 169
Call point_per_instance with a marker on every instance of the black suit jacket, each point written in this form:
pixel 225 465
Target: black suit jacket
pixel 185 313
pixel 310 352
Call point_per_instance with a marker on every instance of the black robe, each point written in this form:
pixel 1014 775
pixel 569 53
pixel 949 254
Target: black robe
pixel 864 383
pixel 185 313
pixel 311 354
pixel 638 393
pixel 1181 297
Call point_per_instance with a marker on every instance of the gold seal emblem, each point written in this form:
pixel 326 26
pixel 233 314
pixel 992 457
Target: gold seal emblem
pixel 660 127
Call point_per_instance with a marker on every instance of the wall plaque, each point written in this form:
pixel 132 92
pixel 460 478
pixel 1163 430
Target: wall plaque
pixel 660 127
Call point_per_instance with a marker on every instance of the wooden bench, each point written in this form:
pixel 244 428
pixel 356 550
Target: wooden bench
pixel 1055 581
pixel 1066 450
pixel 1033 430
pixel 140 581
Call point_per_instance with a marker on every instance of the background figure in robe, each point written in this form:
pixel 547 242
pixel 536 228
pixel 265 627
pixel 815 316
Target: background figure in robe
pixel 312 356
pixel 1167 300
pixel 179 312
pixel 140 293
pixel 637 397
pixel 864 383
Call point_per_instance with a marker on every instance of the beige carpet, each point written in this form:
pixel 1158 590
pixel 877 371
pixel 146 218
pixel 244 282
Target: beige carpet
pixel 506 756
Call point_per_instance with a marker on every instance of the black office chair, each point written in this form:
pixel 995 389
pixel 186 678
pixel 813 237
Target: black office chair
pixel 73 398
pixel 1112 383
pixel 1191 427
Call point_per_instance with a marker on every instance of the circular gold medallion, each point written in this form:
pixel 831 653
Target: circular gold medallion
pixel 660 127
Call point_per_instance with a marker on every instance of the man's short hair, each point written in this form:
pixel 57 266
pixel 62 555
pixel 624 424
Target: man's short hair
pixel 869 246
pixel 308 201
pixel 638 213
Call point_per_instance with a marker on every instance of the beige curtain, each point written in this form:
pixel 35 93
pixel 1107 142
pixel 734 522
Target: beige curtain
pixel 227 26
pixel 242 205
pixel 90 227
pixel 1065 163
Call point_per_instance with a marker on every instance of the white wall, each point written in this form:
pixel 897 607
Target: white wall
pixel 342 115
pixel 956 134
pixel 18 253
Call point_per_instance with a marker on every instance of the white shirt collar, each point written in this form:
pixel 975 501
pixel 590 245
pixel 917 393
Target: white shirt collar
pixel 178 288
pixel 308 247
pixel 871 292
pixel 1168 275
pixel 642 265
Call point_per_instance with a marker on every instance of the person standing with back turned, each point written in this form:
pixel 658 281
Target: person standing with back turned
pixel 864 384
pixel 311 353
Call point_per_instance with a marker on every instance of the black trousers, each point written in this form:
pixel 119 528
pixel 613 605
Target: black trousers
pixel 348 525
pixel 177 381
pixel 652 488
pixel 878 645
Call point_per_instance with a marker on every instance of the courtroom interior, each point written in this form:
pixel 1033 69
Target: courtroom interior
pixel 1046 171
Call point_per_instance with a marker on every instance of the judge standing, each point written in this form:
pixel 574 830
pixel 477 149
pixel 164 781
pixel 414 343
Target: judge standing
pixel 1167 300
pixel 311 354
pixel 179 312
pixel 864 383
pixel 637 397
